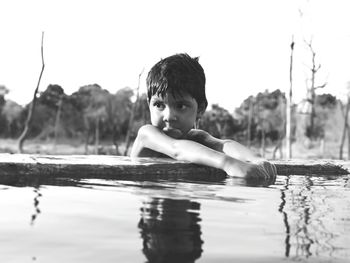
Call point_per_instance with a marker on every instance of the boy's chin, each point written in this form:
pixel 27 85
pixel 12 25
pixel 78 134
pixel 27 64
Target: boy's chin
pixel 173 133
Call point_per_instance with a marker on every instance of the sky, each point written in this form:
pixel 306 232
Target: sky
pixel 243 46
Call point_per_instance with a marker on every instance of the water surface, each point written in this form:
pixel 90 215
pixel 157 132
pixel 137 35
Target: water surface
pixel 298 219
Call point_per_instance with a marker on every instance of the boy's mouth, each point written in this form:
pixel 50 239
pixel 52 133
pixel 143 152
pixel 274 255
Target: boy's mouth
pixel 172 132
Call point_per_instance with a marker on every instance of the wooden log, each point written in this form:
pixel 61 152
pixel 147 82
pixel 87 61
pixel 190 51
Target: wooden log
pixel 320 167
pixel 25 167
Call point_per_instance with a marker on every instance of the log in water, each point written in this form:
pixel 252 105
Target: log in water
pixel 26 166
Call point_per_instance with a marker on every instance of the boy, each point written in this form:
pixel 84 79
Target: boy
pixel 177 100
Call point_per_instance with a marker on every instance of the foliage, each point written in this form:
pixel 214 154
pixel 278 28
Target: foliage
pixel 51 96
pixel 264 113
pixel 92 108
pixel 3 92
pixel 326 101
pixel 218 122
pixel 11 123
pixel 325 105
pixel 142 114
pixel 118 112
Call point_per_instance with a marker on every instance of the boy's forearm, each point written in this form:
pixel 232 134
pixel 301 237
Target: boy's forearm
pixel 238 151
pixel 235 160
pixel 183 150
pixel 151 138
pixel 190 151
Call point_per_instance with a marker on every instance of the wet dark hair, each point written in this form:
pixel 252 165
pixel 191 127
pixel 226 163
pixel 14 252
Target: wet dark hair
pixel 177 74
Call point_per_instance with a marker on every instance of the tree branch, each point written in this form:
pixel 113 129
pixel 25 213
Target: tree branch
pixel 32 105
pixel 132 115
pixel 322 86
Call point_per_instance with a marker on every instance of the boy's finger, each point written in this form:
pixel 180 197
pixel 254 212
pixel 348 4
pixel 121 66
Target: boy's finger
pixel 265 173
pixel 273 172
pixel 266 170
pixel 271 168
pixel 274 169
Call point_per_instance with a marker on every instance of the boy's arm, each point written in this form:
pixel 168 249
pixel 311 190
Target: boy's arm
pixel 239 151
pixel 152 138
pixel 229 147
pixel 233 149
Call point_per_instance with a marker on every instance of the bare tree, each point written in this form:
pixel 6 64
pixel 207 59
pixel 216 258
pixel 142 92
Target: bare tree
pixel 282 132
pixel 346 126
pixel 312 89
pixel 131 120
pixel 97 133
pixel 261 120
pixel 250 117
pixel 57 120
pixel 29 119
pixel 289 105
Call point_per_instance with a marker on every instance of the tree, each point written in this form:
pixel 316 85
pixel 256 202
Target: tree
pixel 142 114
pixel 346 126
pixel 131 120
pixel 218 122
pixel 261 118
pixel 92 101
pixel 324 105
pixel 45 113
pixel 53 97
pixel 28 122
pixel 315 67
pixel 289 107
pixel 3 92
pixel 11 112
pixel 118 111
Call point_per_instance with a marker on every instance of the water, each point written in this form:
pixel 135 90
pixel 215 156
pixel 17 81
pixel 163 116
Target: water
pixel 299 219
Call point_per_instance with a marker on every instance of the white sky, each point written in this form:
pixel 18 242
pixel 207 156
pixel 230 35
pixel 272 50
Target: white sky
pixel 244 46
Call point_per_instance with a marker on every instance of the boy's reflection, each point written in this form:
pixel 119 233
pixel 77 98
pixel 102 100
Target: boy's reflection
pixel 170 230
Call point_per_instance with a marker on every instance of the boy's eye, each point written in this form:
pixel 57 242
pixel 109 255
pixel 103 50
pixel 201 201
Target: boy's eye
pixel 181 106
pixel 158 105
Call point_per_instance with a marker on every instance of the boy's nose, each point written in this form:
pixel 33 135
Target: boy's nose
pixel 169 114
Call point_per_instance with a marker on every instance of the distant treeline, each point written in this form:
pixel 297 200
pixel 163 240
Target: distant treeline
pixel 93 111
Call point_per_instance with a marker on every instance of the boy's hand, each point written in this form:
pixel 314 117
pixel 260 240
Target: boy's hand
pixel 257 171
pixel 269 168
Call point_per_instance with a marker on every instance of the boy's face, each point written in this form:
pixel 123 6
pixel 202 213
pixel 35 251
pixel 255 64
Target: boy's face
pixel 174 115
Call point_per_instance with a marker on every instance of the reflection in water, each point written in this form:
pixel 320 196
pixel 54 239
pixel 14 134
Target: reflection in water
pixel 285 217
pixel 36 205
pixel 304 234
pixel 314 212
pixel 313 224
pixel 170 230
